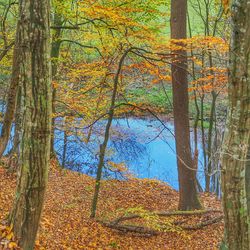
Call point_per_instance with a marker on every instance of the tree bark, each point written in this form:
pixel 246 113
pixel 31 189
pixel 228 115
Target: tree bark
pixel 235 158
pixel 188 199
pixel 35 79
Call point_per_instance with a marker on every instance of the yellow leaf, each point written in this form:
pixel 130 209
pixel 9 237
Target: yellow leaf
pixel 12 245
pixel 225 5
pixel 10 236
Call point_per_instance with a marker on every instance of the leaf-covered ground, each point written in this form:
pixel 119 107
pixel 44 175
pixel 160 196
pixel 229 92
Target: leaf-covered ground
pixel 66 224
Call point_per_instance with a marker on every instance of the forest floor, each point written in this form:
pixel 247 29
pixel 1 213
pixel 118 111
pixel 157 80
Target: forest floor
pixel 66 224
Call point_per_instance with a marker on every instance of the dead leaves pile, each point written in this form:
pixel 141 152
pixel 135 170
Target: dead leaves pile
pixel 7 239
pixel 65 223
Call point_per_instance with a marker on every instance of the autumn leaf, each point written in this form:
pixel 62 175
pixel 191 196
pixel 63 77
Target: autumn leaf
pixel 226 4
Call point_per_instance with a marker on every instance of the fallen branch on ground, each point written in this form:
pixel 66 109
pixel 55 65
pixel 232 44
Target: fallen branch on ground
pixel 145 231
pixel 203 224
pixel 165 213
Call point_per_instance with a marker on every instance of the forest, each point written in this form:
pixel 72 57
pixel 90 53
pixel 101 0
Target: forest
pixel 125 124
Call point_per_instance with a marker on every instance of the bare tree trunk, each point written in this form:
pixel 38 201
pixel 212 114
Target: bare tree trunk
pixel 35 79
pixel 210 143
pixel 11 100
pixel 103 146
pixel 186 168
pixel 18 121
pixel 235 152
pixel 13 154
pixel 55 51
pixel 65 143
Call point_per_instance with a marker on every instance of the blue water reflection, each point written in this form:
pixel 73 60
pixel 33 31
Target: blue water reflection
pixel 143 145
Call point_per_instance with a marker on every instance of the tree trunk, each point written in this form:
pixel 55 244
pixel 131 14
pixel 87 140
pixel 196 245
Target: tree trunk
pixel 55 51
pixel 65 143
pixel 13 154
pixel 103 146
pixel 235 152
pixel 210 143
pixel 35 79
pixel 186 169
pixel 18 121
pixel 11 100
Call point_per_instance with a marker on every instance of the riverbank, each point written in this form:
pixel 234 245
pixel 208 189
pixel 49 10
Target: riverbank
pixel 66 224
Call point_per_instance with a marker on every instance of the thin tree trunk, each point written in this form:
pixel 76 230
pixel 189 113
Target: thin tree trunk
pixel 209 143
pixel 16 140
pixel 103 146
pixel 65 142
pixel 186 170
pixel 235 152
pixel 11 100
pixel 14 153
pixel 55 51
pixel 35 79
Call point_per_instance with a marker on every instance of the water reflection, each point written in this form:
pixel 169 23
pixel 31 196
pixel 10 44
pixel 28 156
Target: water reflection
pixel 143 145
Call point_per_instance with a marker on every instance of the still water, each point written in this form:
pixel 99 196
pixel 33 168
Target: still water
pixel 144 146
